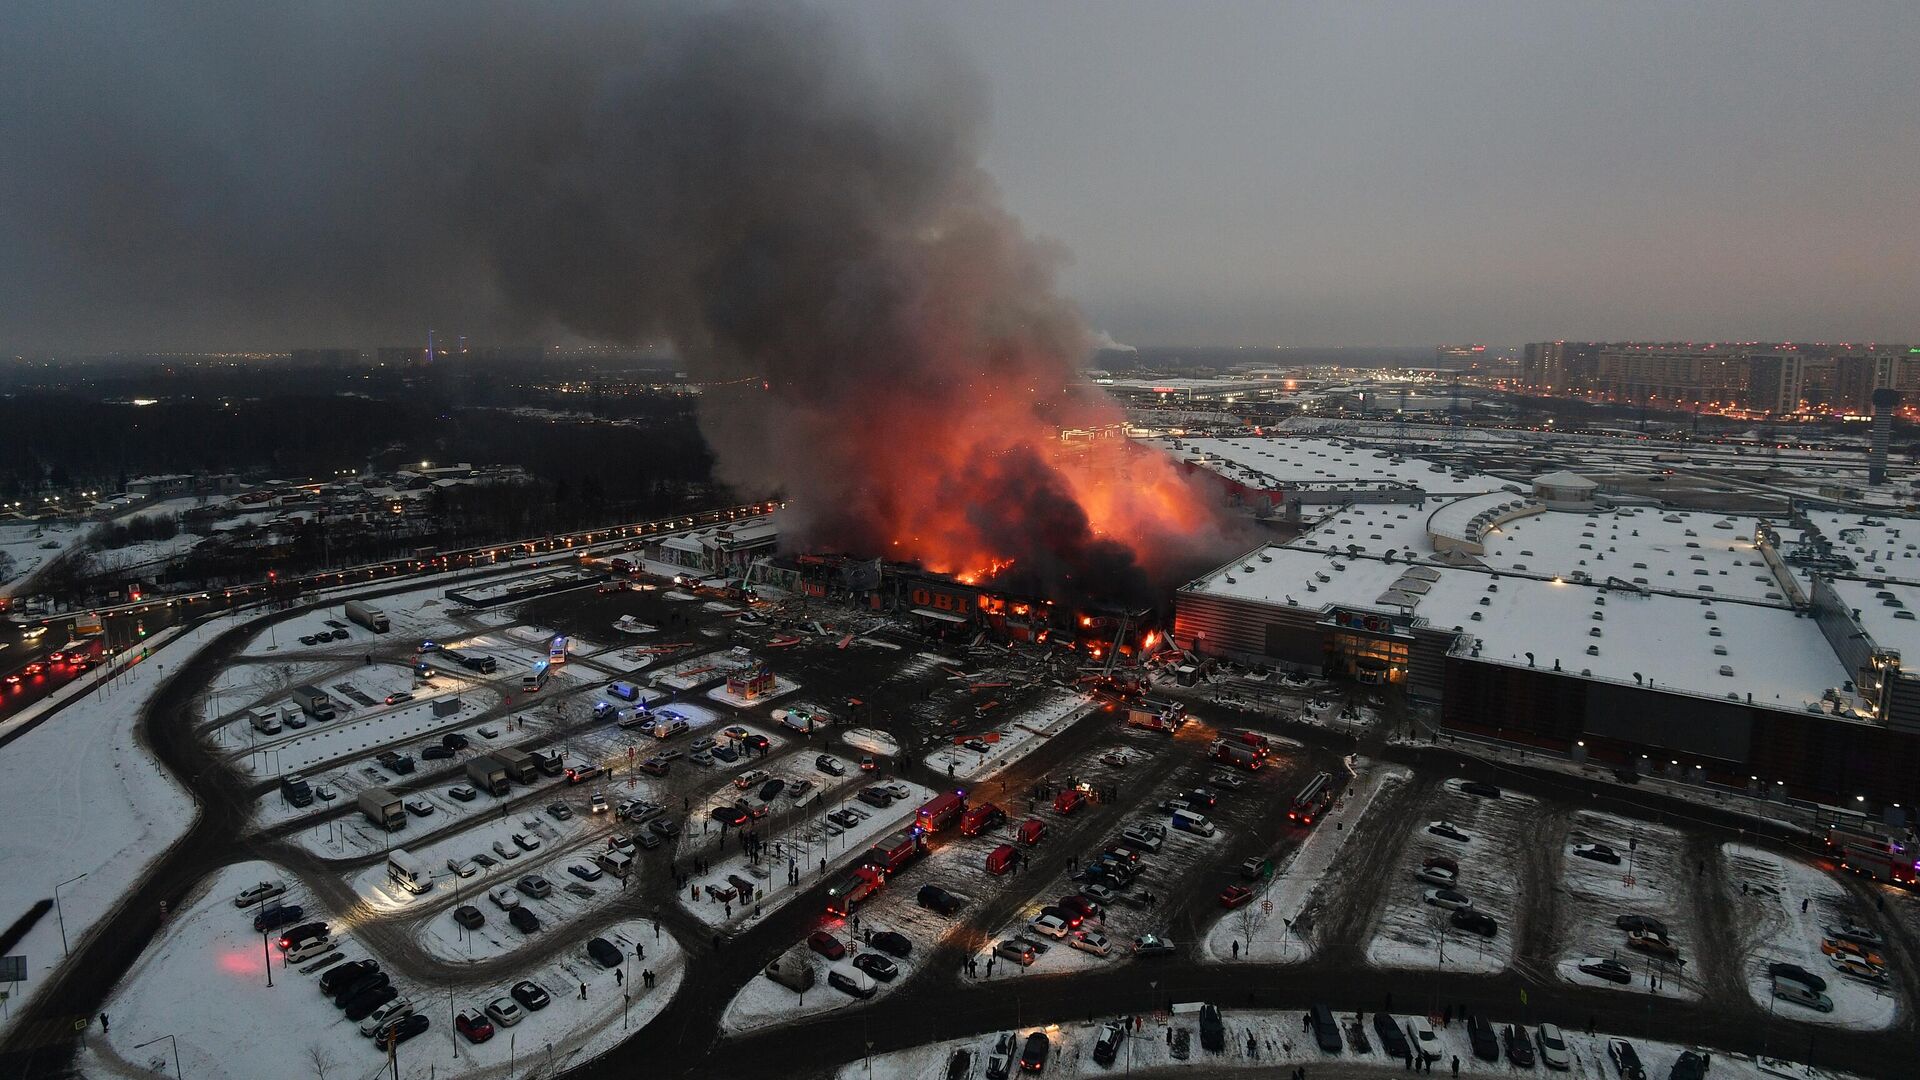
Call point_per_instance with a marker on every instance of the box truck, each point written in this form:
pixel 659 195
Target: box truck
pixel 367 615
pixel 383 808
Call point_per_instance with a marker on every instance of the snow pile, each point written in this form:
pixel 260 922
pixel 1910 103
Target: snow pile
pixel 873 742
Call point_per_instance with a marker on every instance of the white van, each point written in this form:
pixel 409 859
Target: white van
pixel 667 727
pixel 615 862
pixel 1801 994
pixel 1188 821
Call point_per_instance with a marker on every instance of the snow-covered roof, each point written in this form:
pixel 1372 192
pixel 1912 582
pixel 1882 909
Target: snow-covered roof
pixel 1274 462
pixel 1565 479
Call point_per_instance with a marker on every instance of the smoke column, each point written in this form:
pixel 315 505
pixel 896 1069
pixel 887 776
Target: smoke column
pixel 810 234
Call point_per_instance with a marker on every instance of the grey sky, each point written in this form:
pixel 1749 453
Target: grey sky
pixel 1340 173
pixel 1259 173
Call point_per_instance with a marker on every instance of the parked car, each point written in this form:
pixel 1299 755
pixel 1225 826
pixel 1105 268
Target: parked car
pixel 1050 925
pixel 530 995
pixel 604 952
pixel 1091 941
pixel 363 1004
pixel 826 945
pixel 877 966
pixel 505 850
pixel 1426 1043
pixel 474 1025
pixel 353 988
pixel 1447 898
pixel 849 985
pixel 436 753
pixel 1485 791
pixel 1235 895
pixel 1033 1056
pixel 505 1012
pixel 1553 1047
pixel 462 868
pixel 419 807
pixel 1393 1041
pixel 1645 924
pixel 525 842
pixel 830 765
pixel 1625 1060
pixel 1519 1047
pixel 1690 1065
pixel 1448 830
pixel 400 1031
pixel 892 943
pixel 1798 974
pixel 1600 853
pixel 1486 1045
pixel 559 811
pixel 1106 1047
pixel 1475 922
pixel 337 978
pixel 523 920
pixel 664 827
pixel 1652 945
pixel 535 886
pixel 462 792
pixel 935 898
pixel 469 916
pixel 503 898
pixel 277 916
pixel 265 890
pixel 585 871
pixel 1020 952
pixel 1437 875
pixel 1601 967
pixel 385 1016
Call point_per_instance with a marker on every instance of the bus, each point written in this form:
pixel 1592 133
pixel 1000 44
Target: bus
pixel 407 872
pixel 557 649
pixel 536 680
pixel 1312 800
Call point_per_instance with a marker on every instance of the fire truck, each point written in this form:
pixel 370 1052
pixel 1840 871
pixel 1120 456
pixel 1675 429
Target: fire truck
pixel 1876 854
pixel 941 811
pixel 852 887
pixel 1155 715
pixel 896 851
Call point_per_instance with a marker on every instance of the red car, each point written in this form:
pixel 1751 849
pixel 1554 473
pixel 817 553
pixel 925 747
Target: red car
pixel 36 668
pixel 826 945
pixel 56 657
pixel 474 1025
pixel 13 680
pixel 1234 895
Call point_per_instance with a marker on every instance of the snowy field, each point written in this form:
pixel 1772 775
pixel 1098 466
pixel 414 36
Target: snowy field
pixel 871 741
pixel 83 796
pixel 204 982
pixel 1051 715
pixel 27 546
pixel 1597 894
pixel 1413 933
pixel 1265 938
pixel 1277 1042
pixel 1775 929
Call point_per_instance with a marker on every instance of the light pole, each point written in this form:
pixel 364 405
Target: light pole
pixel 266 955
pixel 61 915
pixel 171 1043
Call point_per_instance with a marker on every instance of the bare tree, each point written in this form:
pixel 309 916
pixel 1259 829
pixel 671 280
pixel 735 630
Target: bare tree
pixel 1251 919
pixel 320 1059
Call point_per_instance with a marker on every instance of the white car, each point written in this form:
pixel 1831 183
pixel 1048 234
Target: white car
pixel 504 898
pixel 462 868
pixel 1436 875
pixel 266 890
pixel 1050 925
pixel 1091 941
pixel 505 1012
pixel 505 850
pixel 384 1015
pixel 525 842
pixel 1553 1047
pixel 1425 1042
pixel 1449 899
pixel 598 804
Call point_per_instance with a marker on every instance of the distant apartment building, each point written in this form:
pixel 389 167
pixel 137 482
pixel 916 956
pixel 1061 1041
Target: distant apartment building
pixel 1679 374
pixel 1777 381
pixel 1558 366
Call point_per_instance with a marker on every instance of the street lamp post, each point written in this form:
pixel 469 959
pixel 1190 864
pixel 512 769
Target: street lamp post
pixel 60 914
pixel 266 955
pixel 171 1043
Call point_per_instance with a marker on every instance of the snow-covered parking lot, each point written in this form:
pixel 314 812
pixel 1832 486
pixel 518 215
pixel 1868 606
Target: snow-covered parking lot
pixel 1785 907
pixel 1415 933
pixel 1651 880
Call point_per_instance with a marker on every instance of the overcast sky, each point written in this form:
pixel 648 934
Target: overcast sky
pixel 1340 173
pixel 1262 173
